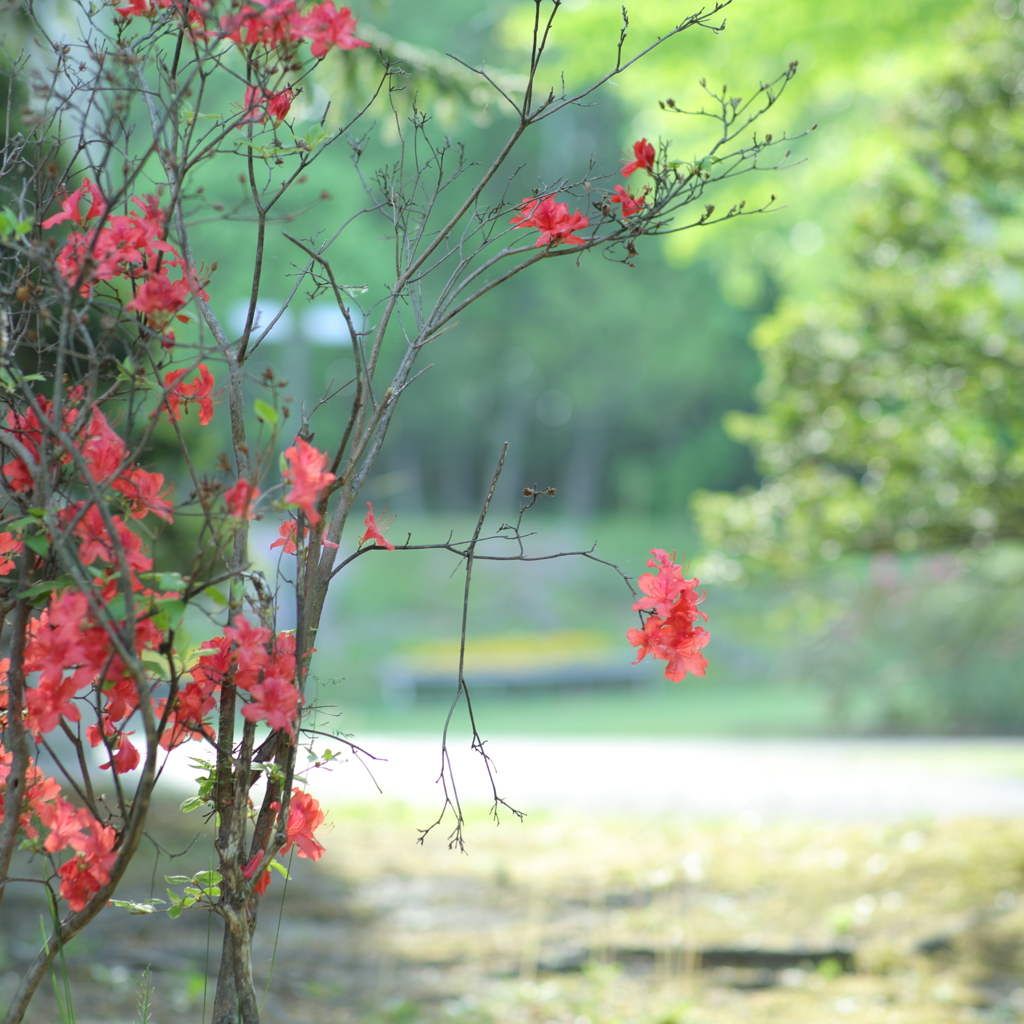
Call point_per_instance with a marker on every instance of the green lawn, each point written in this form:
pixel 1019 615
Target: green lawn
pixel 698 709
pixel 841 652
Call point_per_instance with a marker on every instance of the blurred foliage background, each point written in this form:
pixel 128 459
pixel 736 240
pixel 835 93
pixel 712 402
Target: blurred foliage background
pixel 820 404
pixel 865 344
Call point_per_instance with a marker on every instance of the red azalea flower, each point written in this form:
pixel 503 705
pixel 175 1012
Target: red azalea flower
pixel 102 449
pixel 552 220
pixel 126 756
pixel 271 24
pixel 643 158
pixel 277 701
pixel 78 883
pixel 142 489
pixel 199 389
pixel 261 104
pixel 305 472
pixel 69 207
pixel 65 821
pixel 373 531
pixel 146 8
pixel 9 545
pixel 250 643
pixel 670 633
pixel 87 872
pixel 630 203
pixel 326 26
pixel 260 886
pixel 304 818
pixel 686 657
pixel 286 538
pixel 240 498
pixel 279 103
pixel 157 294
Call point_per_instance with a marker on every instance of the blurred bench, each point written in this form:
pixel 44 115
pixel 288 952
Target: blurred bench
pixel 515 661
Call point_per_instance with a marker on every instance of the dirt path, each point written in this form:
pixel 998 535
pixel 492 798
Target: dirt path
pixel 718 883
pixel 848 779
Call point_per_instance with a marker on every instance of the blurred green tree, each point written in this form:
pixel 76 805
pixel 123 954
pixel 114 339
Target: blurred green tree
pixel 891 415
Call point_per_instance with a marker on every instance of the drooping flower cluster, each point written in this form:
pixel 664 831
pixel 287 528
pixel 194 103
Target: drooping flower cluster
pixel 552 220
pixel 131 247
pixel 94 845
pixel 670 632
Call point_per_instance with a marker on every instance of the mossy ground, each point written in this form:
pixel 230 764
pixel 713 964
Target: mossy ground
pixel 590 920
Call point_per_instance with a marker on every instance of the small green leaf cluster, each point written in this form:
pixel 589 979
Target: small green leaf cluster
pixel 12 226
pixel 202 889
pixel 206 784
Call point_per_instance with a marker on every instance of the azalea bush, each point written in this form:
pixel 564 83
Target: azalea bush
pixel 112 356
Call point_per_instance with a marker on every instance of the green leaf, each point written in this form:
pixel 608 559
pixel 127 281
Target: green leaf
pixel 10 225
pixel 137 908
pixel 315 136
pixel 164 580
pixel 20 524
pixel 174 911
pixel 207 878
pixel 265 412
pixel 171 612
pixel 157 668
pixel 176 880
pixel 39 544
pixel 47 587
pixel 193 803
pixel 215 595
pixel 280 868
pixel 182 639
